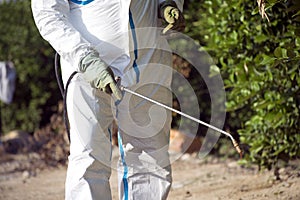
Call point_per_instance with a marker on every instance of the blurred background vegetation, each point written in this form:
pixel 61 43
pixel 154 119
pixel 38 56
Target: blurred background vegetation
pixel 258 61
pixel 36 89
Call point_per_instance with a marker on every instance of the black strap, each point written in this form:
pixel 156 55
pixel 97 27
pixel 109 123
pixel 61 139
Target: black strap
pixel 63 92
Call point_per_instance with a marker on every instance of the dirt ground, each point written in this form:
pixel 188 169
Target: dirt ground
pixel 193 179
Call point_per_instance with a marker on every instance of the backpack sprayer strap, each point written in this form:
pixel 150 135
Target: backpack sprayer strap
pixel 63 92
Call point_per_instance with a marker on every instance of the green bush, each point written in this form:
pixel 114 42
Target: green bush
pixel 36 90
pixel 259 63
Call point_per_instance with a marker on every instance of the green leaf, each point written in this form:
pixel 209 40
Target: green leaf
pixel 261 38
pixel 284 53
pixel 297 14
pixel 261 105
pixel 255 11
pixel 278 52
pixel 281 149
pixel 267 60
pixel 297 41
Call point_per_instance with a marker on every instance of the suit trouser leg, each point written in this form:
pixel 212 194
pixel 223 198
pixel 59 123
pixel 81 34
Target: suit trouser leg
pixel 90 117
pixel 144 171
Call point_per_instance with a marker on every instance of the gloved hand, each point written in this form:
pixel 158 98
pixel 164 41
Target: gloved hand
pixel 172 16
pixel 99 75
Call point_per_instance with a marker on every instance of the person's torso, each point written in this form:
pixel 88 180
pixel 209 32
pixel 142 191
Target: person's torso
pixel 120 30
pixel 104 23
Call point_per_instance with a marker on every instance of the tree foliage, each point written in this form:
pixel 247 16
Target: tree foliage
pixel 259 62
pixel 36 89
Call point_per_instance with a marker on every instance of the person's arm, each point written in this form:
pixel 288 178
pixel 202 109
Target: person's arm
pixel 51 18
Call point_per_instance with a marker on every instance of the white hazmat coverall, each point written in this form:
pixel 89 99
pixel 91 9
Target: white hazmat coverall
pixel 123 33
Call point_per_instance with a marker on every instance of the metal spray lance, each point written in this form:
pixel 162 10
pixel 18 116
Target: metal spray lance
pixel 234 142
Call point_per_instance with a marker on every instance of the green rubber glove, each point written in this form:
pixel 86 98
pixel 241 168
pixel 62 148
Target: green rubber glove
pixel 99 75
pixel 172 16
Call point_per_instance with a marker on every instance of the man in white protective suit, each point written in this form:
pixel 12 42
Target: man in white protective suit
pixel 101 39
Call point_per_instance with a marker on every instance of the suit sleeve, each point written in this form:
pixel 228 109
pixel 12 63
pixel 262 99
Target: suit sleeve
pixel 51 19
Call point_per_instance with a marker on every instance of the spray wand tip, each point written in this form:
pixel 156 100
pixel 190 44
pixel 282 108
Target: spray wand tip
pixel 237 147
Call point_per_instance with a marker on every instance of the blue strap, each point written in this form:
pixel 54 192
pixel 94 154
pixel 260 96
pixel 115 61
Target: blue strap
pixel 82 2
pixel 135 66
pixel 124 179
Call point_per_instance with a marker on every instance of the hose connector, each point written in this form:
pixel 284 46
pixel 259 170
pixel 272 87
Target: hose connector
pixel 237 147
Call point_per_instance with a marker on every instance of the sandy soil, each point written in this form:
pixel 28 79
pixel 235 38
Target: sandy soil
pixel 193 179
